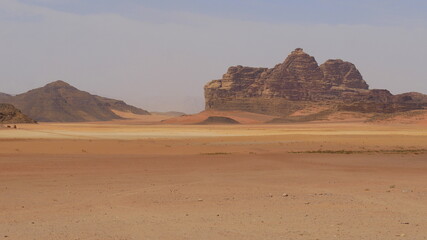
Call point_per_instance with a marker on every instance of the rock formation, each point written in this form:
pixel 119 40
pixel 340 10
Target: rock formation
pixel 60 102
pixel 9 114
pixel 300 82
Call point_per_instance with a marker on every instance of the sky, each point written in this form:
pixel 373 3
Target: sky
pixel 158 55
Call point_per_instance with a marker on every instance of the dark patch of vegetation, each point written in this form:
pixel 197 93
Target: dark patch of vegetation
pixel 216 153
pixel 306 118
pixel 390 116
pixel 391 151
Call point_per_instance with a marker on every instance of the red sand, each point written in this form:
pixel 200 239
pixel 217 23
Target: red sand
pixel 114 181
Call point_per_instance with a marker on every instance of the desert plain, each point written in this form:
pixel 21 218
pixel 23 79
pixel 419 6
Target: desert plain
pixel 122 180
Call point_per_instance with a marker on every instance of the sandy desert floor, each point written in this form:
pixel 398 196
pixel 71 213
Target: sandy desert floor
pixel 297 181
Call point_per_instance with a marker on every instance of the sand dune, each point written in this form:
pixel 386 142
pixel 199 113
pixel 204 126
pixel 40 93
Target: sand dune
pixel 239 116
pixel 416 117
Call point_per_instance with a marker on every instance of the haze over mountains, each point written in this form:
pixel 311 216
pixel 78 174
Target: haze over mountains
pixel 60 102
pixel 300 83
pixel 297 85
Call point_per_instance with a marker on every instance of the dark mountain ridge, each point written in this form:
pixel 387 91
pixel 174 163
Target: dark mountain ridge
pixel 60 102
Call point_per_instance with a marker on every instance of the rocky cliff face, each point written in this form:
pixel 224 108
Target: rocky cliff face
pixel 10 114
pixel 343 74
pixel 299 82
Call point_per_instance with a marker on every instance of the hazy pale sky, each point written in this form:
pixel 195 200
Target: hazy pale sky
pixel 159 54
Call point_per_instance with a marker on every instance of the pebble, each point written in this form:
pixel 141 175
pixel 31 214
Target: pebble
pixel 285 195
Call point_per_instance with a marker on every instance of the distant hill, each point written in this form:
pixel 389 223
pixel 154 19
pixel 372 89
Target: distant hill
pixel 60 102
pixel 10 114
pixel 121 106
pixel 4 95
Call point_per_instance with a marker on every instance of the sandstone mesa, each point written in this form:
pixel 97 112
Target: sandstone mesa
pixel 299 82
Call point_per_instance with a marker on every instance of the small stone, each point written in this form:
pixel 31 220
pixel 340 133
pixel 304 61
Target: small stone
pixel 200 200
pixel 285 195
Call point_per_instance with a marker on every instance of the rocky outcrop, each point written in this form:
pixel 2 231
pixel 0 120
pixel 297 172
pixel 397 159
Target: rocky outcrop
pixel 60 102
pixel 412 97
pixel 9 115
pixel 343 74
pixel 300 82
